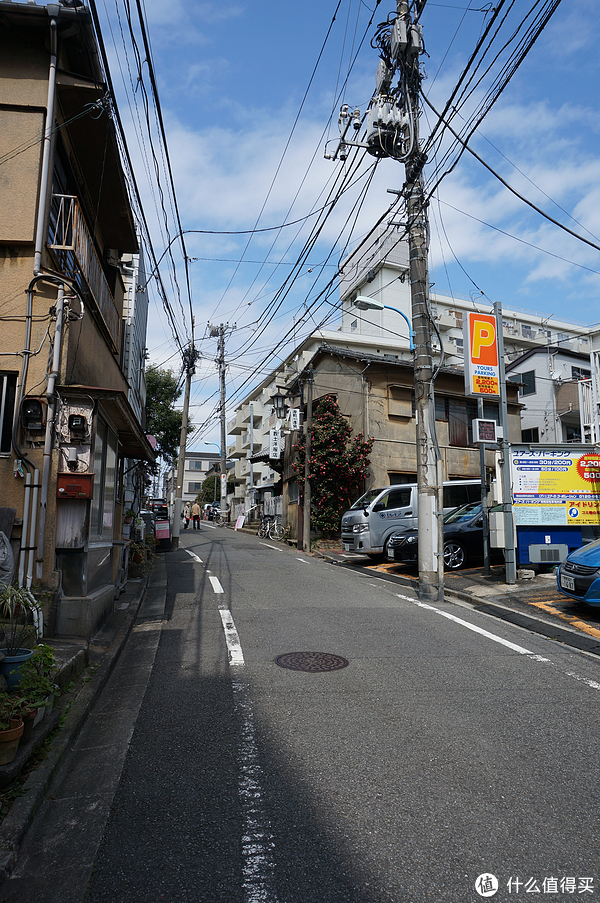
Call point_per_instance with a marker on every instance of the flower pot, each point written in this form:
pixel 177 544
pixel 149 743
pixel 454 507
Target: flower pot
pixel 49 704
pixel 9 740
pixel 9 668
pixel 39 714
pixel 28 724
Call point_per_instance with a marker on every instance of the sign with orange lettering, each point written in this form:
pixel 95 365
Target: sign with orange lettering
pixel 481 354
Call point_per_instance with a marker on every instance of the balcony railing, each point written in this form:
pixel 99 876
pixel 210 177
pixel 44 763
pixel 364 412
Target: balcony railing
pixel 72 243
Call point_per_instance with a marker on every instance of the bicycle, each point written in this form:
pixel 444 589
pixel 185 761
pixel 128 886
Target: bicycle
pixel 220 519
pixel 271 528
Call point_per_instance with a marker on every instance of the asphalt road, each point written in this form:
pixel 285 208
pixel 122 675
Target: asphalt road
pixel 451 746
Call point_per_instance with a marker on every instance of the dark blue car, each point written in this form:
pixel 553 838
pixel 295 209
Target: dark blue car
pixel 579 575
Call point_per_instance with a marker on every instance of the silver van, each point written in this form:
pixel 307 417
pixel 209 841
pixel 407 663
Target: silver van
pixel 368 525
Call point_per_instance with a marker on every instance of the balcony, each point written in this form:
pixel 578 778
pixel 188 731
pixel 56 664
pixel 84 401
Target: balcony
pixel 235 425
pixel 246 436
pixel 74 249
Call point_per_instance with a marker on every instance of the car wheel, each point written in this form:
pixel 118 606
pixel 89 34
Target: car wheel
pixel 454 555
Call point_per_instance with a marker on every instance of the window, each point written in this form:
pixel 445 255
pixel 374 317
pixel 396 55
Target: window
pixel 461 413
pixel 580 373
pixel 528 383
pixel 195 465
pixel 396 479
pixel 400 402
pixel 105 474
pixel 531 435
pixel 194 487
pixel 397 498
pixel 8 389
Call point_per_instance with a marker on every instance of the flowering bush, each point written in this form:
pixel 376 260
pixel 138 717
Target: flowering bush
pixel 338 464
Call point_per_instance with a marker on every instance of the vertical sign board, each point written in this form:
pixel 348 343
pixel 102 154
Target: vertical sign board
pixel 555 485
pixel 481 355
pixel 275 444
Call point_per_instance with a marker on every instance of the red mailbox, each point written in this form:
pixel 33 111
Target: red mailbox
pixel 75 485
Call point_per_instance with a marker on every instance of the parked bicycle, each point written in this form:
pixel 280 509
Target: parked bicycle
pixel 271 528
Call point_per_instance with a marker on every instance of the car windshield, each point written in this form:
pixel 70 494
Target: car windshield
pixel 365 500
pixel 464 513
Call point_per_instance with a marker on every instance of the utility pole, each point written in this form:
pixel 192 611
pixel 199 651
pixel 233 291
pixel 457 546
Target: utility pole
pixel 218 332
pixel 308 452
pixel 392 130
pixel 509 530
pixel 190 356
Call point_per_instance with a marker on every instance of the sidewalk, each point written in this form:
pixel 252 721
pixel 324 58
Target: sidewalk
pixel 97 659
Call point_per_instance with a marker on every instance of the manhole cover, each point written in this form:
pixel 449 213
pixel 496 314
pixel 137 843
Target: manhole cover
pixel 314 662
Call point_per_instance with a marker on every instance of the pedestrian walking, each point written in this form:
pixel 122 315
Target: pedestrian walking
pixel 196 515
pixel 187 513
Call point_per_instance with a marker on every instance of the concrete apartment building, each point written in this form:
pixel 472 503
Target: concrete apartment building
pixel 71 366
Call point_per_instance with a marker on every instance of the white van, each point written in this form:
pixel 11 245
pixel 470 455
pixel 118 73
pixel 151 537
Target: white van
pixel 368 525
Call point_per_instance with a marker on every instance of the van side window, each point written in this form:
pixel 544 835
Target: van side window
pixel 474 493
pixel 399 498
pixel 455 496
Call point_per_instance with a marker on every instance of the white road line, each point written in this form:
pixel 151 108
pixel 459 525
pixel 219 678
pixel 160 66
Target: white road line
pixel 258 861
pixel 275 549
pixel 216 584
pixel 194 556
pixel 304 560
pixel 592 684
pixel 234 647
pixel 490 636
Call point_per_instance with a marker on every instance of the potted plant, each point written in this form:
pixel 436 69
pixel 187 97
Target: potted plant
pixel 129 515
pixel 141 553
pixel 38 686
pixel 11 727
pixel 20 612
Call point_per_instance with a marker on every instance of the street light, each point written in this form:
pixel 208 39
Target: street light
pixel 363 302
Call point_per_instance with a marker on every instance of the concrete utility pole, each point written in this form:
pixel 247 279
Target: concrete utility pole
pixel 190 356
pixel 392 130
pixel 308 452
pixel 219 333
pixel 509 534
pixel 406 38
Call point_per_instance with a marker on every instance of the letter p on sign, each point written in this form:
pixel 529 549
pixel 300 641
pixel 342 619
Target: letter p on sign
pixel 483 340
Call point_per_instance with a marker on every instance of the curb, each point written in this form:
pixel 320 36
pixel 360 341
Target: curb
pixel 15 825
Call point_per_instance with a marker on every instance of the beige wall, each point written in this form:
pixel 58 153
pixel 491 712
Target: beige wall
pixel 365 396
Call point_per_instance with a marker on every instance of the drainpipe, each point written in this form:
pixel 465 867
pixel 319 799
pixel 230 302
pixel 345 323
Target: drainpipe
pixel 51 399
pixel 53 11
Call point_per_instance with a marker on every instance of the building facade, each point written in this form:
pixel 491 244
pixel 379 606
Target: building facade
pixel 72 385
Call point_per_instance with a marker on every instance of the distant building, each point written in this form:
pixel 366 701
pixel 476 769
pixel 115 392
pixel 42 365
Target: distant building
pixel 549 391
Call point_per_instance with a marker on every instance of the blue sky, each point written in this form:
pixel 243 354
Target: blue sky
pixel 248 111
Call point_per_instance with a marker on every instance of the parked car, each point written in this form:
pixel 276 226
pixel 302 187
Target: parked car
pixel 579 575
pixel 463 539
